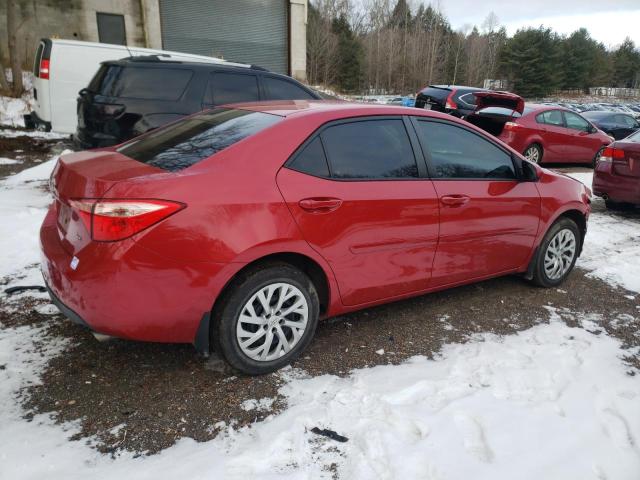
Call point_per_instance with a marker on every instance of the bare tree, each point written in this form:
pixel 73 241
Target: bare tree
pixel 14 58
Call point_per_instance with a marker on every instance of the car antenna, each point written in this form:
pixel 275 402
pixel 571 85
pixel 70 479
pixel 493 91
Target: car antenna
pixel 127 47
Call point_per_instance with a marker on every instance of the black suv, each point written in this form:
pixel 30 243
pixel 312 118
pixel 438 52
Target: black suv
pixel 454 99
pixel 134 95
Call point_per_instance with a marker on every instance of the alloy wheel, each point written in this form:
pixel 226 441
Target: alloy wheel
pixel 560 253
pixel 272 322
pixel 532 154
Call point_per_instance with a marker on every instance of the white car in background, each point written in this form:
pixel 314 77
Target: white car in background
pixel 64 67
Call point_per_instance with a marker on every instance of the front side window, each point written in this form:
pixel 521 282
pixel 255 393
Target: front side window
pixel 576 122
pixel 195 138
pixel 284 90
pixel 233 88
pixel 370 149
pixel 457 153
pixel 149 83
pixel 551 117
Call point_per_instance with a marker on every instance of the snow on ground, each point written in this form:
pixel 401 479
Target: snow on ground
pixel 612 248
pixel 552 402
pixel 13 109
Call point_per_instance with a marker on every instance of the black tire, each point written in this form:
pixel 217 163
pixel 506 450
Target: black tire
pixel 226 316
pixel 540 276
pixel 611 205
pixel 597 156
pixel 537 153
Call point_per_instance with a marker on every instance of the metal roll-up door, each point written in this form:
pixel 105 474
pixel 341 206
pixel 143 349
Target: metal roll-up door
pixel 245 31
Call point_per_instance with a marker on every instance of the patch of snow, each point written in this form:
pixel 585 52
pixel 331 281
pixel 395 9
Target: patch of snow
pixel 13 109
pixel 380 352
pixel 8 133
pixel 8 161
pixel 262 405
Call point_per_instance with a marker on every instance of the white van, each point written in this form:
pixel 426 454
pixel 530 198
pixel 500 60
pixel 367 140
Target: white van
pixel 64 67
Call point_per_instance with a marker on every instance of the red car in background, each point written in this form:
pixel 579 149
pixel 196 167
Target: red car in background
pixel 240 227
pixel 542 133
pixel 617 173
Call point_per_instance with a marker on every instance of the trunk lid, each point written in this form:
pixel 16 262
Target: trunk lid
pixel 506 100
pixel 88 175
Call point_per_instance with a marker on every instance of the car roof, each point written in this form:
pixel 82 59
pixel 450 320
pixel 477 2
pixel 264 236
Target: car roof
pixel 601 113
pixel 341 108
pixel 457 87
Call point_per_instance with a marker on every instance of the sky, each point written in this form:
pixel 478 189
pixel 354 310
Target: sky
pixel 608 21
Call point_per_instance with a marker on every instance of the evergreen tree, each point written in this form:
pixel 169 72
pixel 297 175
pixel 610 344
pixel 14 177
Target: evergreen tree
pixel 626 65
pixel 350 56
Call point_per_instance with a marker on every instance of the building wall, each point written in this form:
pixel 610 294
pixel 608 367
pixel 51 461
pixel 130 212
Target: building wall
pixel 76 20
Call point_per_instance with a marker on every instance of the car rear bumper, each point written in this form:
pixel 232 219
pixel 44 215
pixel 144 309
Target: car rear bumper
pixel 122 290
pixel 614 187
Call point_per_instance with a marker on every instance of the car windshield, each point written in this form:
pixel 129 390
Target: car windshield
pixel 187 142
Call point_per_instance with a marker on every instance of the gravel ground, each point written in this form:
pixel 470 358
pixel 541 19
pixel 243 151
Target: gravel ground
pixel 143 397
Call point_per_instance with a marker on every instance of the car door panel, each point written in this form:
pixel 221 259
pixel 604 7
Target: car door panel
pixel 488 219
pixel 380 241
pixel 492 232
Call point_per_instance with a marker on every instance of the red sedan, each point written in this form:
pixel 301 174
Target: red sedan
pixel 240 227
pixel 617 174
pixel 544 133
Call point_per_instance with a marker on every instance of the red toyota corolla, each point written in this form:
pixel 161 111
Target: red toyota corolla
pixel 239 227
pixel 543 133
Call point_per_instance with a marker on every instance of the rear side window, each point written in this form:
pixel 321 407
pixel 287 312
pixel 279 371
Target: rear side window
pixel 151 83
pixel 195 138
pixel 279 89
pixel 551 117
pixel 233 88
pixel 456 153
pixel 311 160
pixel 468 98
pixel 370 149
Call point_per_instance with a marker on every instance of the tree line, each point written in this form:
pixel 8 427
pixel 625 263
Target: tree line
pixel 383 46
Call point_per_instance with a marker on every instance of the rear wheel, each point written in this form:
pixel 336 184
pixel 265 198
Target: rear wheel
pixel 533 153
pixel 268 318
pixel 597 156
pixel 558 253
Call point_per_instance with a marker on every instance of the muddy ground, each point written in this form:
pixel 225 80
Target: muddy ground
pixel 143 397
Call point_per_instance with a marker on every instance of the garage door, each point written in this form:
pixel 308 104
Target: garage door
pixel 246 31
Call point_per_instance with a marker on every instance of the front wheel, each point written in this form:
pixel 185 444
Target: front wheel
pixel 533 153
pixel 558 253
pixel 268 318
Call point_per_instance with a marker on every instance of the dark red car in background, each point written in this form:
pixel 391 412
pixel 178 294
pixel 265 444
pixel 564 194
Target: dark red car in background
pixel 240 227
pixel 543 133
pixel 617 173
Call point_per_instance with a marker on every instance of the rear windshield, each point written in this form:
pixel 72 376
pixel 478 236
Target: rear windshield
pixel 185 143
pixel 140 82
pixel 436 93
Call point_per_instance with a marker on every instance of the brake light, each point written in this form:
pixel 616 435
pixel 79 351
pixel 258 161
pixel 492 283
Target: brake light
pixel 610 154
pixel 112 220
pixel 450 103
pixel 44 69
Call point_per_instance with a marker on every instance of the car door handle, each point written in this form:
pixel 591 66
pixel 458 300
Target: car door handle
pixel 320 205
pixel 455 200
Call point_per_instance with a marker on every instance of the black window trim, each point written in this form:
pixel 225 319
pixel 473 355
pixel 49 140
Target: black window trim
pixel 427 155
pixel 413 140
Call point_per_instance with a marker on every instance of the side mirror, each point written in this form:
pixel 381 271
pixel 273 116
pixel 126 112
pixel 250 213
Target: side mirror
pixel 525 171
pixel 592 129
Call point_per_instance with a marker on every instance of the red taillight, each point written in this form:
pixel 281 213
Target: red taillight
pixel 511 126
pixel 450 103
pixel 111 220
pixel 44 69
pixel 611 154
